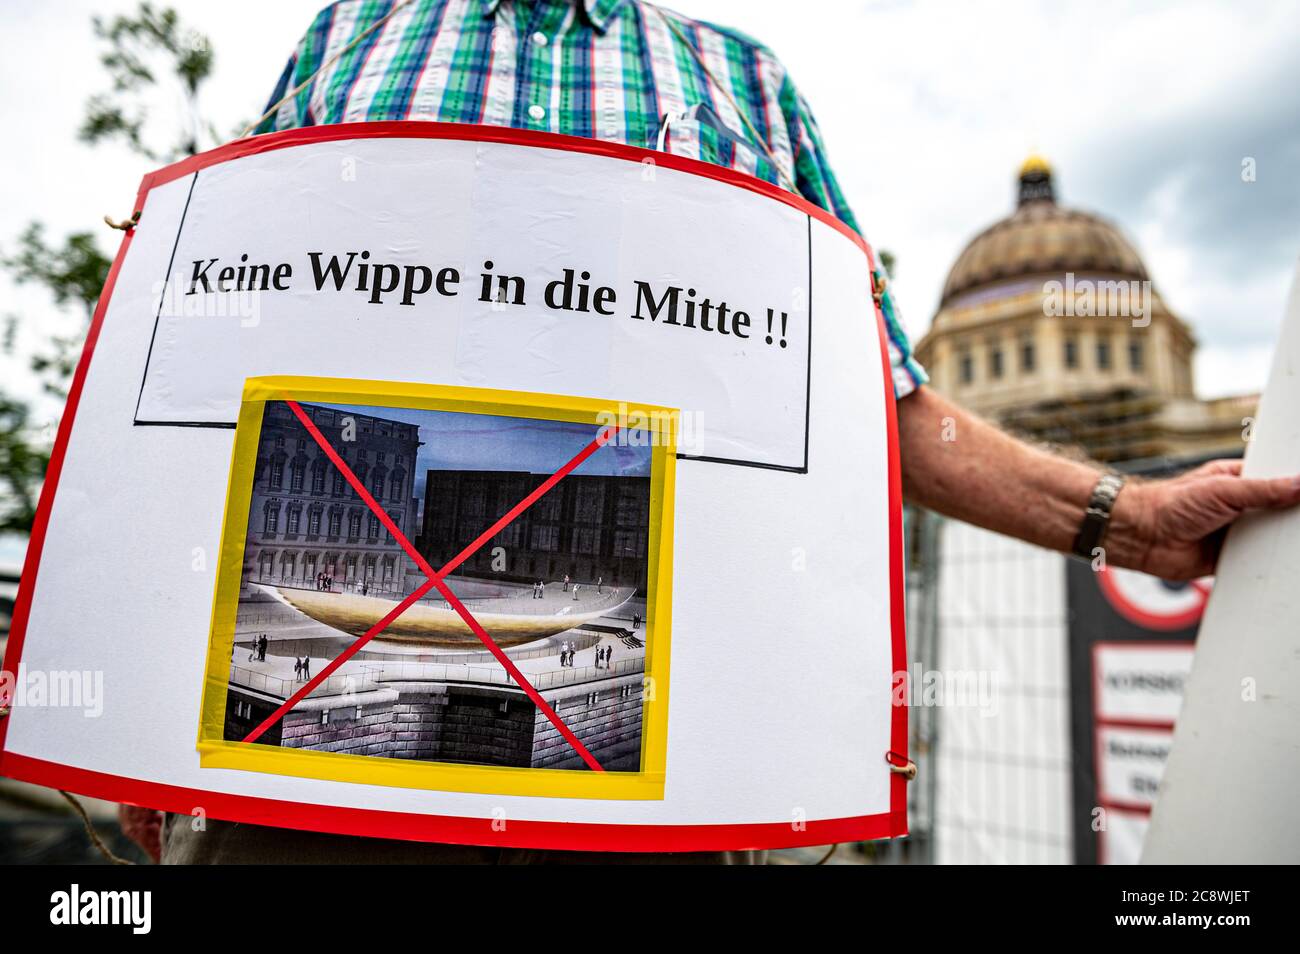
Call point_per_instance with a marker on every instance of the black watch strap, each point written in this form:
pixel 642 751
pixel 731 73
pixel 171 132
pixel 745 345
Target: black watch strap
pixel 1096 519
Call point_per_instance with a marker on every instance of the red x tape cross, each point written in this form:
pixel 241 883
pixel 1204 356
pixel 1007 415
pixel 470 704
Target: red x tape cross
pixel 436 580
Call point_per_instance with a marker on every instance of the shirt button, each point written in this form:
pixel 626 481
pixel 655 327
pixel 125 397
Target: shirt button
pixel 539 38
pixel 536 112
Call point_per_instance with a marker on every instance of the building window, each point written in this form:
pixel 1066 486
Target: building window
pixel 338 490
pixel 372 527
pixel 1136 359
pixel 295 475
pixel 966 364
pixel 625 543
pixel 279 440
pixel 318 478
pixel 398 479
pixel 313 522
pixel 294 514
pixel 1071 352
pixel 1103 353
pixel 1027 354
pixel 271 524
pixel 377 484
pixel 995 360
pixel 589 501
pixel 585 540
pixel 511 536
pixel 277 473
pixel 336 523
pixel 354 524
pixel 546 538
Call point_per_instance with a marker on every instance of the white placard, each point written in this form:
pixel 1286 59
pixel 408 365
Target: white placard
pixel 769 741
pixel 1130 763
pixel 1141 683
pixel 709 315
pixel 1121 839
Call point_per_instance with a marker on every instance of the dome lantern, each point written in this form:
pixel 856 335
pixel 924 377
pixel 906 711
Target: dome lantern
pixel 1035 181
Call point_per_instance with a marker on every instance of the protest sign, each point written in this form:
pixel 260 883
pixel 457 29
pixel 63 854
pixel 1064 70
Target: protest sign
pixel 475 485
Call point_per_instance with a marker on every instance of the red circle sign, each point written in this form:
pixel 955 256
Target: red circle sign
pixel 1153 603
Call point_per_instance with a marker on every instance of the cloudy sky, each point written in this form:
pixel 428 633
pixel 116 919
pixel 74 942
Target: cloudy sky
pixel 1146 109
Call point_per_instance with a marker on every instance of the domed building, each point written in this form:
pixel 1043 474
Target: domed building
pixel 1050 324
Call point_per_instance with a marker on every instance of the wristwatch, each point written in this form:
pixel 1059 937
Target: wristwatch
pixel 1096 519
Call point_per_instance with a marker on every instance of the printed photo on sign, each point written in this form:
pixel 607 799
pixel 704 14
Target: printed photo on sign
pixel 406 593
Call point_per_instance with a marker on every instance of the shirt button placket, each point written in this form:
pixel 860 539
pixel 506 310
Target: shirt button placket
pixel 535 95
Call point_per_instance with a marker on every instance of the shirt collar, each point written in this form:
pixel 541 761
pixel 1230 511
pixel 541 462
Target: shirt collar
pixel 599 12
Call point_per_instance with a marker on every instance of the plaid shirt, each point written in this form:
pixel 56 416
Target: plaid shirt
pixel 604 69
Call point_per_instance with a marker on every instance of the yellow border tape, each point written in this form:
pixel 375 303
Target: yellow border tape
pixel 217 752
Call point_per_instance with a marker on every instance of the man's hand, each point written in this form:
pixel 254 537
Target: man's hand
pixel 143 826
pixel 1181 523
pixel 960 466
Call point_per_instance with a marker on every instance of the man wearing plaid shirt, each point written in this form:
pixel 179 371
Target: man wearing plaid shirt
pixel 627 71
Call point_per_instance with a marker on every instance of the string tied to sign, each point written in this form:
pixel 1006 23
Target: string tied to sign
pixel 900 765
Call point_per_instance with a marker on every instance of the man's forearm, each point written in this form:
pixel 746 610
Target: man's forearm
pixel 963 467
